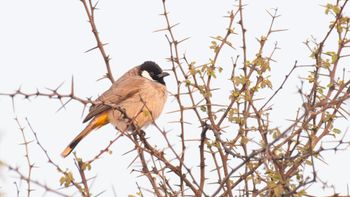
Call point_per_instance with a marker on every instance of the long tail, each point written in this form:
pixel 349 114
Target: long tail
pixel 96 123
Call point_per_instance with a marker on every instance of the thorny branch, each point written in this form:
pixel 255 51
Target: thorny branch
pixel 90 12
pixel 41 185
pixel 29 163
pixel 238 150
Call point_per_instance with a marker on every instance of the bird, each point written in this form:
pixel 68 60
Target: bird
pixel 138 96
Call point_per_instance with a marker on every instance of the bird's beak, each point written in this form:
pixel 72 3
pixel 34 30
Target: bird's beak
pixel 163 74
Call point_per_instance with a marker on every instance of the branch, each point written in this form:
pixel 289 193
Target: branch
pixel 27 179
pixel 90 12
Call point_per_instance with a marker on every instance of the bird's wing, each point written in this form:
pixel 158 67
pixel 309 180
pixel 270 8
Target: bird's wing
pixel 120 91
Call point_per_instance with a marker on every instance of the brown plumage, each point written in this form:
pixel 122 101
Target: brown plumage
pixel 139 95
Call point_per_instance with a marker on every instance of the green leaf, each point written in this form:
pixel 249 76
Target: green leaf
pixel 334 8
pixel 67 179
pixel 308 162
pixel 336 131
pixel 187 82
pixel 244 140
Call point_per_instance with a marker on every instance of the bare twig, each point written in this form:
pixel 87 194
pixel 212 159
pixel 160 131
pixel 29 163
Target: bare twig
pixel 90 12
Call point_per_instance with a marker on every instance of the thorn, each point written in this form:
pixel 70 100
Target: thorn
pixel 270 13
pixel 278 30
pixel 82 114
pixel 105 76
pixel 89 99
pixel 55 90
pixel 183 40
pixel 167 37
pixel 173 26
pixel 18 91
pixel 133 161
pixel 93 48
pixel 72 87
pixel 30 141
pixel 37 92
pixel 169 59
pixel 34 166
pixel 160 30
pixel 163 14
pixel 63 105
pixel 26 97
pixel 129 151
pixel 13 104
pixel 95 6
pixel 59 86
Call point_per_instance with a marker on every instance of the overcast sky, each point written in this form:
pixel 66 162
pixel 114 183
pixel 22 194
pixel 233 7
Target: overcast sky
pixel 42 44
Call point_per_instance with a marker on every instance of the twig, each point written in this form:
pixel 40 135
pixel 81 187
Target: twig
pixel 44 186
pixel 90 12
pixel 30 165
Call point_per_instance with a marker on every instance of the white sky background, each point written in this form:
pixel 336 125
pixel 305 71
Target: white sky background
pixel 42 44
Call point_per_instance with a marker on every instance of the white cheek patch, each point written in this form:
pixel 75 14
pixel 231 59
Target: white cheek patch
pixel 145 74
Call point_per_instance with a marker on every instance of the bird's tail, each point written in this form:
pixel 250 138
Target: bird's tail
pixel 96 123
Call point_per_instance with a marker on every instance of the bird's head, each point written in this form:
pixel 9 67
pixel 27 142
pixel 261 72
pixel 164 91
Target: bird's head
pixel 152 71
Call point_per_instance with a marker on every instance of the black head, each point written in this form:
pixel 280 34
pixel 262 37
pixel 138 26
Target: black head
pixel 152 71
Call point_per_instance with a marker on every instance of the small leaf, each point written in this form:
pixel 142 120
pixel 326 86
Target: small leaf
pixel 187 82
pixel 146 112
pixel 336 131
pixel 244 140
pixel 308 162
